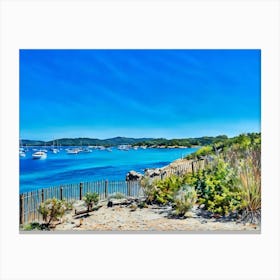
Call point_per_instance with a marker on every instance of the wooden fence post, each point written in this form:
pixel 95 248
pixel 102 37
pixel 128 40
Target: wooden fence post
pixel 129 188
pixel 21 209
pixel 81 191
pixel 192 168
pixel 43 195
pixel 106 188
pixel 61 193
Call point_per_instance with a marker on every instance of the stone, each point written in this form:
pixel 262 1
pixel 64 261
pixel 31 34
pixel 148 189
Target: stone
pixel 77 223
pixel 133 206
pixel 133 176
pixel 188 214
pixel 154 172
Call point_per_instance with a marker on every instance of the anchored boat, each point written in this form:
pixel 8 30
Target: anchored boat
pixel 39 155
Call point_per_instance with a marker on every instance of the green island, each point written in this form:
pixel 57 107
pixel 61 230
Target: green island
pixel 149 142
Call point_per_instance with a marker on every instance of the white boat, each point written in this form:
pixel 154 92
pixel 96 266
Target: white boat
pixel 101 148
pixel 124 147
pixel 72 151
pixel 86 150
pixel 22 153
pixel 54 150
pixel 39 155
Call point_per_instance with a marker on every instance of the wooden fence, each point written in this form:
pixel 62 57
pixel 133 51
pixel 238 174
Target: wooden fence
pixel 30 201
pixel 182 168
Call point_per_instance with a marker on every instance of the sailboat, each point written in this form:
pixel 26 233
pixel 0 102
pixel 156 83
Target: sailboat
pixel 39 155
pixel 21 150
pixel 55 150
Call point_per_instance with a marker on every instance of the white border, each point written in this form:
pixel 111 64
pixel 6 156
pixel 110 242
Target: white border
pixel 139 24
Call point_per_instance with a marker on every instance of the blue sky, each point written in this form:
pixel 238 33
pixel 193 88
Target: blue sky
pixel 138 93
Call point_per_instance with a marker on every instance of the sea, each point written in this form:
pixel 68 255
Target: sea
pixel 63 168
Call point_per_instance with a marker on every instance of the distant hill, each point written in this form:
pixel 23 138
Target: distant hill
pixel 86 141
pixel 188 142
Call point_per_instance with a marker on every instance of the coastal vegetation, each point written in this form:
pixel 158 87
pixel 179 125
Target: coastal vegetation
pixel 230 183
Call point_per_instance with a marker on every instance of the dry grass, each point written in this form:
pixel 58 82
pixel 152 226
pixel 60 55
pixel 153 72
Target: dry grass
pixel 249 180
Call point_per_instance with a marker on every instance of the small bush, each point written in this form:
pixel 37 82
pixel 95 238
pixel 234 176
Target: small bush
pixel 32 226
pixel 206 150
pixel 161 191
pixel 52 209
pixel 184 200
pixel 69 204
pixel 216 188
pixel 91 199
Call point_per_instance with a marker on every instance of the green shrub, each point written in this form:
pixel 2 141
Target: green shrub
pixel 32 226
pixel 203 151
pixel 161 191
pixel 216 188
pixel 68 204
pixel 206 150
pixel 184 199
pixel 165 189
pixel 91 199
pixel 52 209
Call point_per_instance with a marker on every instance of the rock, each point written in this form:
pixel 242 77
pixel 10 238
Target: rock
pixel 201 206
pixel 188 214
pixel 133 206
pixel 122 201
pixel 133 176
pixel 152 172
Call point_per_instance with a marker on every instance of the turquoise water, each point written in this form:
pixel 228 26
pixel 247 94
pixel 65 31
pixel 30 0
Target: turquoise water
pixel 62 168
